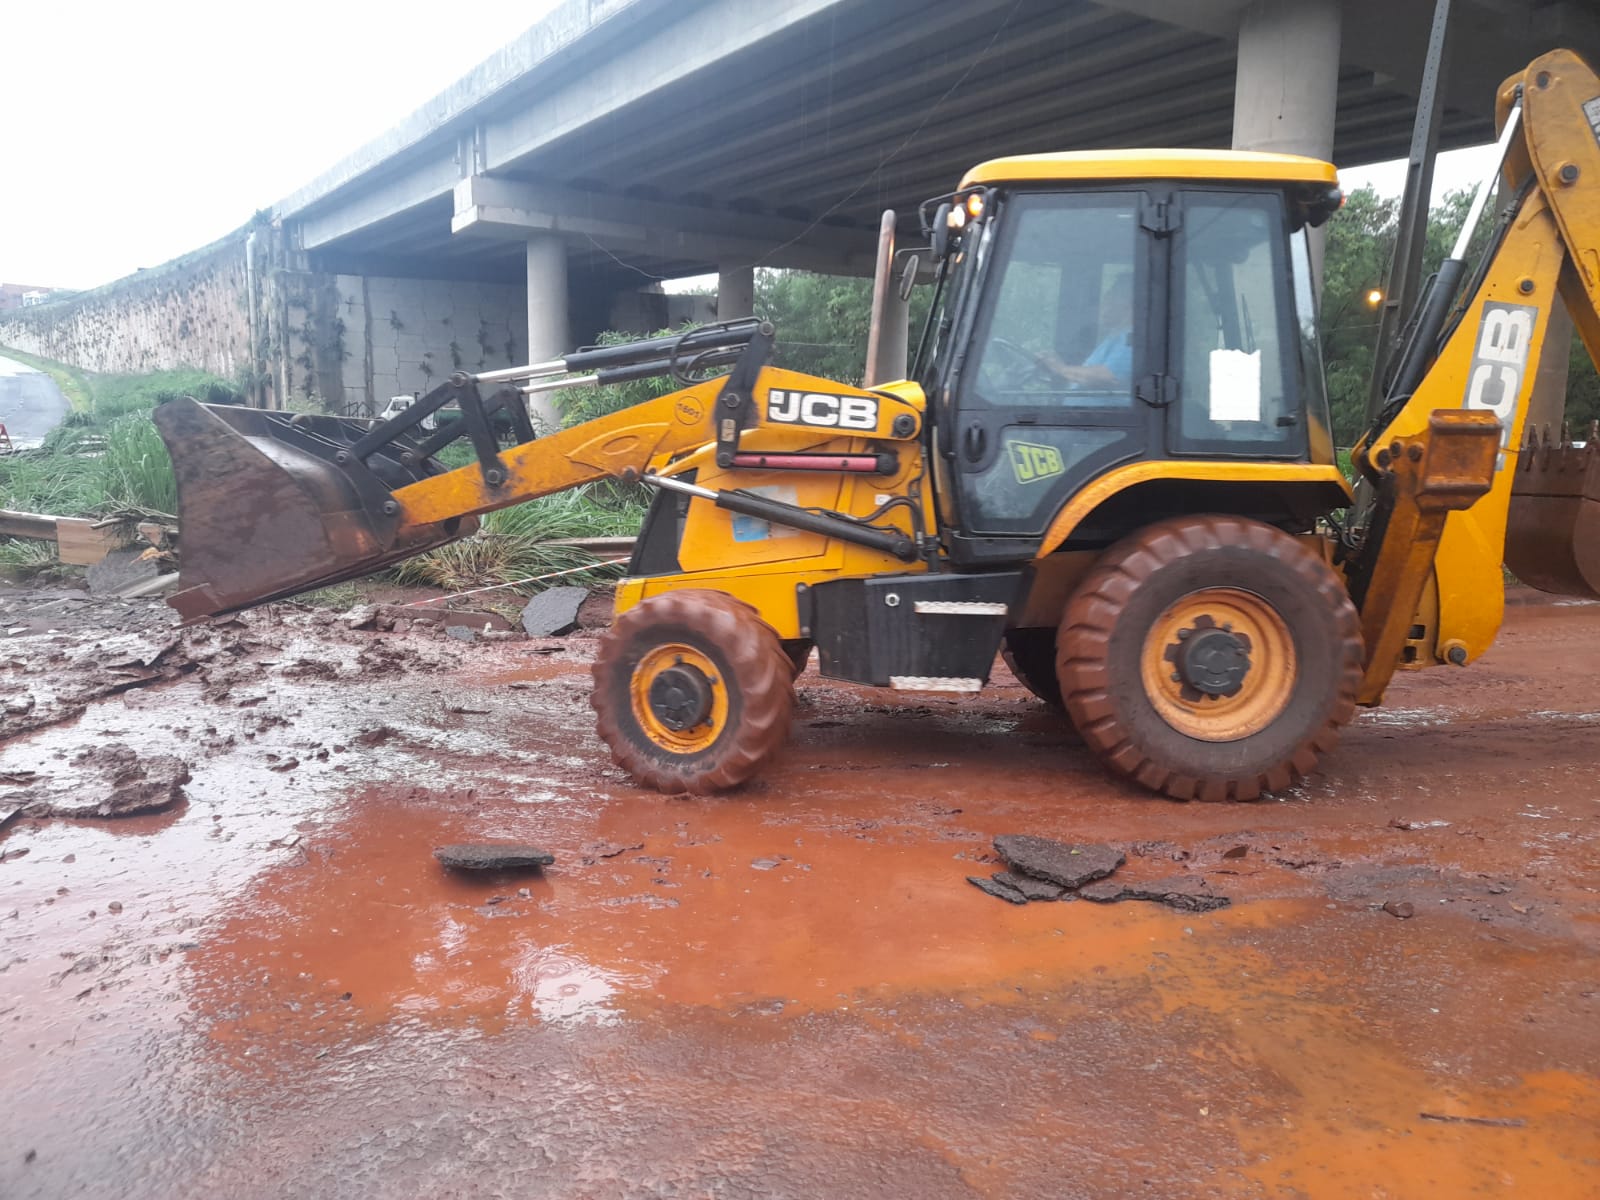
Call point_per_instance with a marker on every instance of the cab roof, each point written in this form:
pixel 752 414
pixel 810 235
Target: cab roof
pixel 1153 164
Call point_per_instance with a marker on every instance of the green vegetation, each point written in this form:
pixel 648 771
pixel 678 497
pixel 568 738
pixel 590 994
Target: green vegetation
pixel 107 456
pixel 1361 240
pixel 514 543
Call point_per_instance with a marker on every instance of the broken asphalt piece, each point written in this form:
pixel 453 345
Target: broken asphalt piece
pixel 1403 909
pixel 553 611
pixel 377 735
pixel 1181 892
pixel 1033 889
pixel 1236 852
pixel 995 888
pixel 462 633
pixel 108 781
pixel 1071 866
pixel 492 856
pixel 1494 1122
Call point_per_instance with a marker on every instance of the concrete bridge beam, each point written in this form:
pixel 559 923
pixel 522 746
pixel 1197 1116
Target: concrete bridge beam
pixel 486 206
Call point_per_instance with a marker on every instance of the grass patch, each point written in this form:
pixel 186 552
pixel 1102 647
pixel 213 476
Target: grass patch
pixel 105 455
pixel 514 543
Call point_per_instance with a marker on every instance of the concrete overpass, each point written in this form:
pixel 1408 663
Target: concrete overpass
pixel 617 143
pixel 623 141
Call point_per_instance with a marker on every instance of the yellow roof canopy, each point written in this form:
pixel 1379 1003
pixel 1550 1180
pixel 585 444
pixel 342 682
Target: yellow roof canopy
pixel 1153 164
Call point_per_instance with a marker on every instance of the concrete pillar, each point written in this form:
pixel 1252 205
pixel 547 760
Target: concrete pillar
pixel 548 334
pixel 1286 87
pixel 736 292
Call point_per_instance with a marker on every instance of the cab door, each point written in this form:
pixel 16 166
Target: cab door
pixel 1059 378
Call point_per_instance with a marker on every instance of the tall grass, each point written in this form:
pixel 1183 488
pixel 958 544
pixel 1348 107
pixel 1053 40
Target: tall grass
pixel 514 543
pixel 107 456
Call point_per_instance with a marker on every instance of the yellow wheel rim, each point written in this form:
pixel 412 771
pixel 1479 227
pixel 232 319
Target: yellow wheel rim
pixel 1219 665
pixel 679 698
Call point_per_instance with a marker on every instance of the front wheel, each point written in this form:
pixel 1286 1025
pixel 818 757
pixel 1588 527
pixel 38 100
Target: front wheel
pixel 692 691
pixel 1210 658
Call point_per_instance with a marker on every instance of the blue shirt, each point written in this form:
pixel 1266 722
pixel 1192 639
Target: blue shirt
pixel 1115 353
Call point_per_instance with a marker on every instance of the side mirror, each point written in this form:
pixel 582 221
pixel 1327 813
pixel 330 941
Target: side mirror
pixel 939 236
pixel 908 277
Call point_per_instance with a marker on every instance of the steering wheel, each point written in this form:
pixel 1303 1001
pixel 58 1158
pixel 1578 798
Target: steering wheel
pixel 1021 366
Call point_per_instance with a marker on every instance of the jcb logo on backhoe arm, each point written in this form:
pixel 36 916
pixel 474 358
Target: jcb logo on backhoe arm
pixel 1494 381
pixel 819 408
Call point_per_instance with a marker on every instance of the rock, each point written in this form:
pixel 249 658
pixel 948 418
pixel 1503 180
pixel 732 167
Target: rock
pixel 362 616
pixel 1236 852
pixel 20 707
pixel 1033 889
pixel 1403 909
pixel 1182 892
pixel 462 633
pixel 553 611
pixel 109 781
pixel 1071 866
pixel 377 735
pixel 120 570
pixel 493 856
pixel 1009 894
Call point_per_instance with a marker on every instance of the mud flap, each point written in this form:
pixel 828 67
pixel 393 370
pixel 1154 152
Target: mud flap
pixel 273 504
pixel 1553 523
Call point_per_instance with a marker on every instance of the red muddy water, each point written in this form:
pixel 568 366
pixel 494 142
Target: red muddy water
pixel 274 989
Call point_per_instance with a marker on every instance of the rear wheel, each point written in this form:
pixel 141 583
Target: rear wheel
pixel 1210 658
pixel 692 691
pixel 1031 655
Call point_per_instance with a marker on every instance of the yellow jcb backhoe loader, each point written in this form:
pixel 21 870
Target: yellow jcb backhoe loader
pixel 1112 463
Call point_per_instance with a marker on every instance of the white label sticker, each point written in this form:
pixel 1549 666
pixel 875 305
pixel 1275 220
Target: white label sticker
pixel 1235 385
pixel 1591 109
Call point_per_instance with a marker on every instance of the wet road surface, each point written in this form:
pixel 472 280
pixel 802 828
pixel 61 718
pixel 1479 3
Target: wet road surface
pixel 274 990
pixel 30 403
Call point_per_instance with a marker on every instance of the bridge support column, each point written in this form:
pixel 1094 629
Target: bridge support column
pixel 548 334
pixel 736 292
pixel 1286 88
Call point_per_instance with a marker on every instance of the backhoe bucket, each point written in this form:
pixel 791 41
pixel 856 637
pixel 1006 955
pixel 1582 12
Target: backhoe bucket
pixel 273 504
pixel 1553 527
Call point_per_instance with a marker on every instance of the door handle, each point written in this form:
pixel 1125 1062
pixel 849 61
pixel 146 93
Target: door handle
pixel 975 441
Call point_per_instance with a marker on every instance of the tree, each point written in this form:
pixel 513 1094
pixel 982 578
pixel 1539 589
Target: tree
pixel 1361 240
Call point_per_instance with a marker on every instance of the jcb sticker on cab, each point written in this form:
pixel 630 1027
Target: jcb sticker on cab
pixel 821 409
pixel 1031 461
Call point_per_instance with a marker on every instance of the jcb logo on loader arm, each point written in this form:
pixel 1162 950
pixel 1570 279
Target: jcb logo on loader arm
pixel 1494 380
pixel 819 408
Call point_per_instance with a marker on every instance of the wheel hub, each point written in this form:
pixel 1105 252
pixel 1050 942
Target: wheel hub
pixel 680 697
pixel 1210 660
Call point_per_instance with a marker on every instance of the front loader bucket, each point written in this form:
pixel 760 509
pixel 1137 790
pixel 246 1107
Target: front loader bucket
pixel 273 504
pixel 1553 527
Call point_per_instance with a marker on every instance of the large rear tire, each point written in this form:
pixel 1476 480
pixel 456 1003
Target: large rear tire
pixel 1210 658
pixel 692 691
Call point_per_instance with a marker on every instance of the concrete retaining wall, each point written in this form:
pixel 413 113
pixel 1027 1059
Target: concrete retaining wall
pixel 191 312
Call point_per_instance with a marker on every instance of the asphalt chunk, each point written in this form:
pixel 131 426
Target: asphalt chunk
pixel 1181 892
pixel 1033 889
pixel 493 856
pixel 1070 866
pixel 1004 891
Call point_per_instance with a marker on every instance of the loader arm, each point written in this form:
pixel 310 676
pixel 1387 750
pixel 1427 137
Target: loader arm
pixel 1444 455
pixel 274 504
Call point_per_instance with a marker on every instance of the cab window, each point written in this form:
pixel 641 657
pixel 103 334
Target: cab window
pixel 1058 329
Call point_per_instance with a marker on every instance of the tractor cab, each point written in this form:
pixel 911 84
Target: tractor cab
pixel 1102 309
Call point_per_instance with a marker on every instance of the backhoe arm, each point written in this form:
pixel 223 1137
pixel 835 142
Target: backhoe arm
pixel 1441 464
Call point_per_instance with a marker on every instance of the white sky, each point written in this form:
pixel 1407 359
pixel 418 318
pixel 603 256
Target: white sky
pixel 132 132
